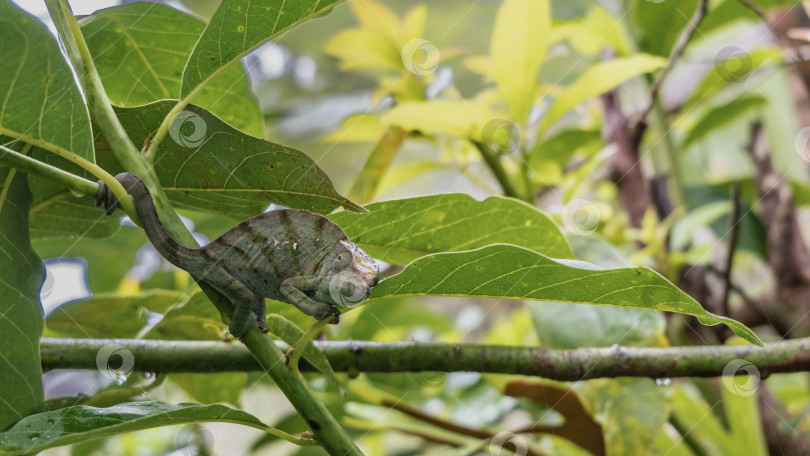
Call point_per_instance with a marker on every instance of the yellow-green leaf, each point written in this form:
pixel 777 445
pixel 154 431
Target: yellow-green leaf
pixel 597 80
pixel 518 48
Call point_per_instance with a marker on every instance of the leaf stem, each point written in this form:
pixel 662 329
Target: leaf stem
pixel 494 164
pixel 116 187
pixel 37 168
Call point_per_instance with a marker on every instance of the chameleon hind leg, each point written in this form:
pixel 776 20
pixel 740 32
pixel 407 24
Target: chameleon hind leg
pixel 242 299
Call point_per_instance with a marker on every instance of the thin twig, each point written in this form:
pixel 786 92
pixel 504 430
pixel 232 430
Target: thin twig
pixel 494 164
pixel 677 52
pixel 734 231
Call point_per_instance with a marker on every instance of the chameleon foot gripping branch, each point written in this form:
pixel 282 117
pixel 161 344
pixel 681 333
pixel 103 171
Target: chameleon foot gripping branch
pixel 290 255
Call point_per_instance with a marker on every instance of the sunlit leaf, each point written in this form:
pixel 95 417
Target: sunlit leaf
pixel 598 79
pixel 364 48
pixel 457 118
pixel 517 50
pixel 400 231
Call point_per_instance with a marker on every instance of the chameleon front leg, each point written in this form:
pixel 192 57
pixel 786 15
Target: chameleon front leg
pixel 293 289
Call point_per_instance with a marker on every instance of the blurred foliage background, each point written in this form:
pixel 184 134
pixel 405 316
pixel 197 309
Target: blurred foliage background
pixel 342 88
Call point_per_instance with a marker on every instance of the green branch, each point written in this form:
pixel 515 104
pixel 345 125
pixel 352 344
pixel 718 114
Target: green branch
pixel 37 168
pixel 565 365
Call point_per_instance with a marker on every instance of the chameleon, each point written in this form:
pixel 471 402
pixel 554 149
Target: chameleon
pixel 290 255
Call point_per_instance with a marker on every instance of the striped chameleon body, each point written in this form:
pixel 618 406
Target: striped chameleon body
pixel 290 255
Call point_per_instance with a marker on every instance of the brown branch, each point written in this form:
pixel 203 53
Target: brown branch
pixel 787 252
pixel 677 52
pixel 734 230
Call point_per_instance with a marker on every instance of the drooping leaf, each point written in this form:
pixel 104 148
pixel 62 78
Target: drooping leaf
pixel 38 96
pixel 518 48
pixel 598 79
pixel 109 315
pixel 81 423
pixel 507 271
pixel 21 320
pixel 660 23
pixel 140 50
pixel 400 231
pixel 208 165
pixel 236 28
pixel 720 116
pixel 195 318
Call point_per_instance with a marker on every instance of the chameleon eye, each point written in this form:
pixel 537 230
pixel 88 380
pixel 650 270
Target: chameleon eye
pixel 341 261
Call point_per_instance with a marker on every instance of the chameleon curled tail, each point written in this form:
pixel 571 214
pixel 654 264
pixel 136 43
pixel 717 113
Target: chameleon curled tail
pixel 290 255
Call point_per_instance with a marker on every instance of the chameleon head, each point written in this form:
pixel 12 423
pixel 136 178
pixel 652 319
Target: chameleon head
pixel 350 277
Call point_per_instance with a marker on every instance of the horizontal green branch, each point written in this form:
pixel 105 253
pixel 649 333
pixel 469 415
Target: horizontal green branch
pixel 568 365
pixel 41 169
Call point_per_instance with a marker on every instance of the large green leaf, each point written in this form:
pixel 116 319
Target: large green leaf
pixel 400 231
pixel 519 42
pixel 207 165
pixel 140 51
pixel 598 79
pixel 81 423
pixel 109 315
pixel 38 96
pixel 508 271
pixel 21 321
pixel 237 27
